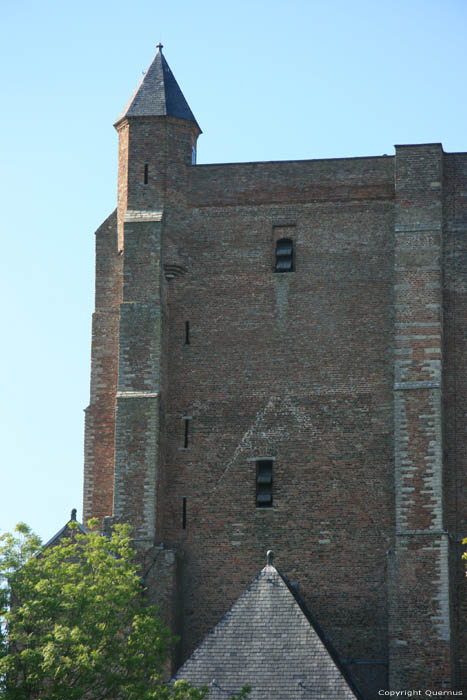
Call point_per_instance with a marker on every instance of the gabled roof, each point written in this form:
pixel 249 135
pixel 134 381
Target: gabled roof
pixel 268 642
pixel 158 94
pixel 58 535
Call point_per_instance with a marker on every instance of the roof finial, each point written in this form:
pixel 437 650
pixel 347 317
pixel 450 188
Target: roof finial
pixel 159 47
pixel 73 514
pixel 269 557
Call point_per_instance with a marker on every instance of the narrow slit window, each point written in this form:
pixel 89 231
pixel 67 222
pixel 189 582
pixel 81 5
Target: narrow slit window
pixel 146 174
pixel 284 260
pixel 186 437
pixel 184 514
pixel 264 483
pixel 187 332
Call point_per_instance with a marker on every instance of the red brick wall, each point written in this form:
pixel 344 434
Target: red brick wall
pixel 291 366
pixel 292 182
pixel 100 414
pixel 163 147
pixel 296 367
pixel 420 629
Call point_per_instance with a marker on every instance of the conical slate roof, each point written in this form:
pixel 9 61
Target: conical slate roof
pixel 158 94
pixel 267 642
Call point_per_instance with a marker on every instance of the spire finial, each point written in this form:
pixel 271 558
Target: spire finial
pixel 269 557
pixel 73 514
pixel 159 47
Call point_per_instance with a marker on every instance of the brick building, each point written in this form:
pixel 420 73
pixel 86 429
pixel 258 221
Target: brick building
pixel 278 362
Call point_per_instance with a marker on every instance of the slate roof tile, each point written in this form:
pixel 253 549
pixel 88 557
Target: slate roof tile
pixel 267 641
pixel 157 94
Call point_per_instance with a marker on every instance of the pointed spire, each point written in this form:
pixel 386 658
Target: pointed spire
pixel 158 94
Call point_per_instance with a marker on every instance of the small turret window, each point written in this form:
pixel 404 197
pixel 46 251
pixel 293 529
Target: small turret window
pixel 284 260
pixel 146 174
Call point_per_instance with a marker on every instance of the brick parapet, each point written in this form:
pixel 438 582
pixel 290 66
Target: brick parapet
pixel 292 182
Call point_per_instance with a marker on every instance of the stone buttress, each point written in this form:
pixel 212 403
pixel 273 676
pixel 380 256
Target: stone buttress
pixel 420 647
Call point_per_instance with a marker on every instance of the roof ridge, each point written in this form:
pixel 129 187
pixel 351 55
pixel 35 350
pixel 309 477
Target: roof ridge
pixel 247 646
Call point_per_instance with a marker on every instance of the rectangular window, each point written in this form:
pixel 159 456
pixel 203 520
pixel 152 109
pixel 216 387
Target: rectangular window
pixel 146 174
pixel 187 332
pixel 284 237
pixel 264 483
pixel 284 256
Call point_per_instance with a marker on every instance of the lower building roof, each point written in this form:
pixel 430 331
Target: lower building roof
pixel 268 641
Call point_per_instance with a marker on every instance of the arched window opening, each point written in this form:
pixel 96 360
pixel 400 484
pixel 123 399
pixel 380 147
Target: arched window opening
pixel 284 256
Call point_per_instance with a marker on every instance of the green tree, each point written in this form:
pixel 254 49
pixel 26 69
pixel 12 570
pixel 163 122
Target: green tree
pixel 74 622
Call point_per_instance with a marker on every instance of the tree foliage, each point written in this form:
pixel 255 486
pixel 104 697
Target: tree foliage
pixel 75 624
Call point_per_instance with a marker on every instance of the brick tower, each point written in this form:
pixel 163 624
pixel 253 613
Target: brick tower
pixel 277 361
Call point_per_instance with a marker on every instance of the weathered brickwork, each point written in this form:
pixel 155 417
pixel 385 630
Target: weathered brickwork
pixel 420 636
pixel 455 386
pixel 292 367
pixel 348 374
pixel 100 415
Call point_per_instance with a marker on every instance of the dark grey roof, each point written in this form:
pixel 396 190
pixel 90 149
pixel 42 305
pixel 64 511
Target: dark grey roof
pixel 62 531
pixel 158 94
pixel 268 642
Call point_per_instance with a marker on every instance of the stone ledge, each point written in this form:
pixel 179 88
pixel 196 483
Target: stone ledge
pixel 404 533
pixel 142 215
pixel 137 394
pixel 403 386
pixel 416 228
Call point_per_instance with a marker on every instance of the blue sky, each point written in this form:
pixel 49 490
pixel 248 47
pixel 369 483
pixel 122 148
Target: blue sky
pixel 265 80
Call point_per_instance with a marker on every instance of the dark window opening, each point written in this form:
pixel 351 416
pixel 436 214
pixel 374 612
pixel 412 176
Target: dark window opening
pixel 184 514
pixel 146 174
pixel 187 332
pixel 187 432
pixel 284 261
pixel 264 483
